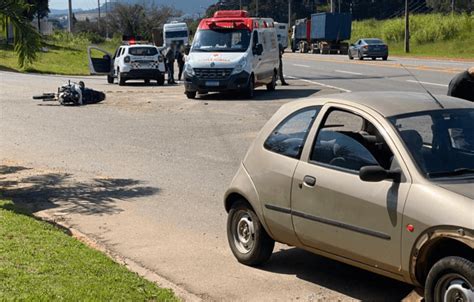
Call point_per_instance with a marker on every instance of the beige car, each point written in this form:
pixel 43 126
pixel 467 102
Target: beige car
pixel 380 180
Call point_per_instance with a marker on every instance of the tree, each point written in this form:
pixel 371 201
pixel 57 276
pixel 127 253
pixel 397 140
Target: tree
pixel 26 40
pixel 446 6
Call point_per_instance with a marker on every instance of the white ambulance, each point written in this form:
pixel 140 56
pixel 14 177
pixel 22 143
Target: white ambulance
pixel 232 52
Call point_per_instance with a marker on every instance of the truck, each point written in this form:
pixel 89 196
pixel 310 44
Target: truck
pixel 323 33
pixel 282 34
pixel 175 32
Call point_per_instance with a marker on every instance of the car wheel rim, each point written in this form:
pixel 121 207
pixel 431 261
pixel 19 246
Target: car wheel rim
pixel 244 233
pixel 454 288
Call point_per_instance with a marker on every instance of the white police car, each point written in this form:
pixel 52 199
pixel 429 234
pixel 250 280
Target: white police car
pixel 131 61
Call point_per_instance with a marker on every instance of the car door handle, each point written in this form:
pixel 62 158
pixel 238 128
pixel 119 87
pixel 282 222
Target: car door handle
pixel 310 181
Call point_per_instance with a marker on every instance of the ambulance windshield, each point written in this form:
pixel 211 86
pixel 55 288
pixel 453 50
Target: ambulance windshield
pixel 221 40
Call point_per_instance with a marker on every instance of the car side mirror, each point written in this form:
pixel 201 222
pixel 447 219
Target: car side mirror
pixel 377 173
pixel 258 49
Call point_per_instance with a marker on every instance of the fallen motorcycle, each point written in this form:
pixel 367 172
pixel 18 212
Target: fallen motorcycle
pixel 72 94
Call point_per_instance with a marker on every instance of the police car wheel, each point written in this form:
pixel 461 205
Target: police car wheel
pixel 121 80
pixel 191 94
pixel 147 81
pixel 160 80
pixel 110 79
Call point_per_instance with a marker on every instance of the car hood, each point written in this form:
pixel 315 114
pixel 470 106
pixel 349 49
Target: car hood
pixel 463 188
pixel 214 59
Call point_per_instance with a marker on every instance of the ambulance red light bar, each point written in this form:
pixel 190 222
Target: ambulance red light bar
pixel 231 14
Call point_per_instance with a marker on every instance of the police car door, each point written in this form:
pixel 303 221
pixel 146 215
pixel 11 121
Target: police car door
pixel 101 64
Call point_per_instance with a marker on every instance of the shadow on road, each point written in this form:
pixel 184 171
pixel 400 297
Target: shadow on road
pixel 261 95
pixel 348 280
pixel 97 196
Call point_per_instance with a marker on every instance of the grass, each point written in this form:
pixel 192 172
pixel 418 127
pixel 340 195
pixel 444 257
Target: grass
pixel 66 54
pixel 39 262
pixel 432 35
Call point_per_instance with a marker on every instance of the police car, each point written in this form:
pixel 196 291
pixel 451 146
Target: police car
pixel 133 60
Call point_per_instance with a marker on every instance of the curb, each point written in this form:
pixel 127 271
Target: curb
pixel 130 264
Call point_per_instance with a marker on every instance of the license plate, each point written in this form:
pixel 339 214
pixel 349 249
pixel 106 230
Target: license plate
pixel 212 83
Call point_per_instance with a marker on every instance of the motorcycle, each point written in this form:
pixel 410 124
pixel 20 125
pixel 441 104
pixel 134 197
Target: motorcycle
pixel 72 94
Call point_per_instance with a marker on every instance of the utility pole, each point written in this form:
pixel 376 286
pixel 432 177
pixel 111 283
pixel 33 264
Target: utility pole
pixel 332 6
pixel 289 14
pixel 69 17
pixel 256 8
pixel 98 16
pixel 452 6
pixel 407 28
pixel 339 3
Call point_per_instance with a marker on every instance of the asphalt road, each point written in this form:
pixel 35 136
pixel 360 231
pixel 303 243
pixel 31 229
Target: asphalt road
pixel 144 173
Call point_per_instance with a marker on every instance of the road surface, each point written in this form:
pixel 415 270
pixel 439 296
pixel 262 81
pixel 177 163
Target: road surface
pixel 144 173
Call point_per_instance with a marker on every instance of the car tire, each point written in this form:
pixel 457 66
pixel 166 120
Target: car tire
pixel 160 80
pixel 110 79
pixel 350 56
pixel 360 56
pixel 249 90
pixel 120 78
pixel 248 240
pixel 374 58
pixel 271 86
pixel 450 277
pixel 191 94
pixel 147 81
pixel 385 58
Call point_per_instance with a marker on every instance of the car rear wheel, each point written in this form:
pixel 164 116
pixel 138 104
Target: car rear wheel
pixel 147 81
pixel 350 56
pixel 451 279
pixel 190 94
pixel 120 78
pixel 374 58
pixel 385 58
pixel 248 240
pixel 360 56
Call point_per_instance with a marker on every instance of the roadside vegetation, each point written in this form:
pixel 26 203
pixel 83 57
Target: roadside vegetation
pixel 62 53
pixel 39 262
pixel 432 35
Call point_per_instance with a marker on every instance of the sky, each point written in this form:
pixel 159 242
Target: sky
pixel 184 5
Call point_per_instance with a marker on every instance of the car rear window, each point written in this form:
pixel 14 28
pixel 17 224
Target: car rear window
pixel 289 136
pixel 373 41
pixel 142 51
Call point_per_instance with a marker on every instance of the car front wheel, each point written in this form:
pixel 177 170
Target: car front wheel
pixel 248 240
pixel 451 279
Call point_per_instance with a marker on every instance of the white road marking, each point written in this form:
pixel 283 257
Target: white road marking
pixel 300 65
pixel 349 72
pixel 427 83
pixel 317 83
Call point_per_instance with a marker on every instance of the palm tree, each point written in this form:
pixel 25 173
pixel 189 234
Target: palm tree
pixel 27 41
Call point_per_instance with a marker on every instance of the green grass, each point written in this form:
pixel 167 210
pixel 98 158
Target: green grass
pixel 66 54
pixel 432 35
pixel 39 262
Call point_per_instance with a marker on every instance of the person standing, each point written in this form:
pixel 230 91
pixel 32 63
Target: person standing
pixel 180 60
pixel 170 56
pixel 462 85
pixel 280 69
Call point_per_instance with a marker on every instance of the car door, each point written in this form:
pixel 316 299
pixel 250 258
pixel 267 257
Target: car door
pixel 332 209
pixel 101 65
pixel 257 62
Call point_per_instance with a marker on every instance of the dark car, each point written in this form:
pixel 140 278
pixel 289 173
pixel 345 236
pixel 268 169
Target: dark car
pixel 368 48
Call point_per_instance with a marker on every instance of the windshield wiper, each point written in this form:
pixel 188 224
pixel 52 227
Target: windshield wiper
pixel 455 172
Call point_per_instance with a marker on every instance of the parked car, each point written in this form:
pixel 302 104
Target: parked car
pixel 380 180
pixel 368 48
pixel 129 62
pixel 232 52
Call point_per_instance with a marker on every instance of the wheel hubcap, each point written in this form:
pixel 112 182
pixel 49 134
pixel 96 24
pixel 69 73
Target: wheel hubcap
pixel 454 288
pixel 244 233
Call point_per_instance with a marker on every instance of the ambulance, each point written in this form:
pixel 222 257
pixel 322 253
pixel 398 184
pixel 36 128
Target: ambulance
pixel 232 52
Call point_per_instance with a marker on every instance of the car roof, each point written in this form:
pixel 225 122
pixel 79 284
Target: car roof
pixel 390 103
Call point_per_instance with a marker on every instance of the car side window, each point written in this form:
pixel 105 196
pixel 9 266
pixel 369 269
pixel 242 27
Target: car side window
pixel 348 141
pixel 289 136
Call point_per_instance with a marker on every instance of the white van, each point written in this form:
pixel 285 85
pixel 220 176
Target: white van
pixel 176 33
pixel 282 34
pixel 232 52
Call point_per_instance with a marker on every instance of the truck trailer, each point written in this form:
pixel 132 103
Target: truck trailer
pixel 323 33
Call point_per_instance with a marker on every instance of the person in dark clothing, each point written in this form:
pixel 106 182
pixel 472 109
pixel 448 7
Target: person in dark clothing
pixel 170 56
pixel 280 69
pixel 462 85
pixel 180 60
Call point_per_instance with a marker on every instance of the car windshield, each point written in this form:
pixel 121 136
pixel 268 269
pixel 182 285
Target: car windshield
pixel 142 51
pixel 230 40
pixel 373 41
pixel 441 141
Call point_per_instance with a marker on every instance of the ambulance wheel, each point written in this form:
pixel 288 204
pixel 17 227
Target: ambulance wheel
pixel 249 90
pixel 271 86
